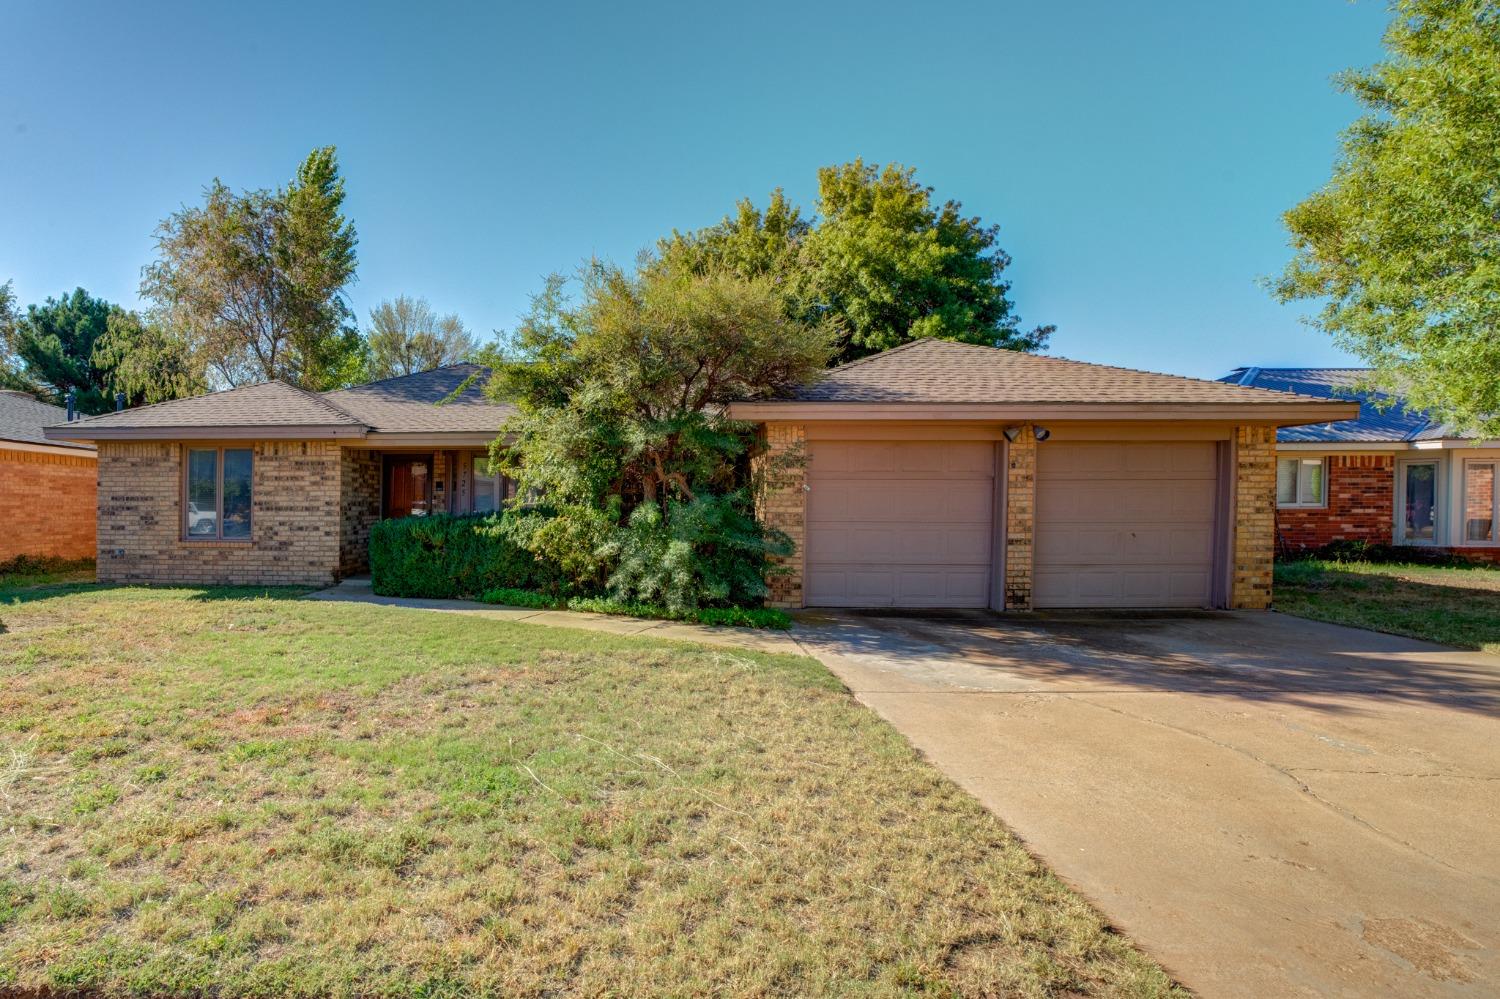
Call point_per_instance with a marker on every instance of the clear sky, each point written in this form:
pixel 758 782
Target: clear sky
pixel 1136 156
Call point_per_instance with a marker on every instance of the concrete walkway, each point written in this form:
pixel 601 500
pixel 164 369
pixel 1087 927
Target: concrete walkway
pixel 357 590
pixel 1269 806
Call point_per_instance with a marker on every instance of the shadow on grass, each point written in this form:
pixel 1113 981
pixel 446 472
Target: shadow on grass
pixel 51 591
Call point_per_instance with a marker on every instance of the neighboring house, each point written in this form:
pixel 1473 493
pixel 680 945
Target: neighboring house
pixel 46 486
pixel 937 475
pixel 1389 476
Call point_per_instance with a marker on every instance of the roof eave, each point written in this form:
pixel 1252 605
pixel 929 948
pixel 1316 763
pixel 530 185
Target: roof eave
pixel 1282 414
pixel 275 432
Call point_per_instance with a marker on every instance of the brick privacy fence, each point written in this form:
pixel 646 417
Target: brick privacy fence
pixel 1360 504
pixel 295 529
pixel 46 504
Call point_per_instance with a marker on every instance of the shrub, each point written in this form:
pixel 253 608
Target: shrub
pixel 445 557
pixel 513 597
pixel 741 617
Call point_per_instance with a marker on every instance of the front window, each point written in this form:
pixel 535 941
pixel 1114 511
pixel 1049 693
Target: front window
pixel 1419 501
pixel 218 494
pixel 1479 502
pixel 1300 482
pixel 491 489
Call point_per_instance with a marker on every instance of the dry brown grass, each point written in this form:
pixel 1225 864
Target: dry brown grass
pixel 214 794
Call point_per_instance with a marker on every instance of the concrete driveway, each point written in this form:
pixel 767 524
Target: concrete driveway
pixel 1270 806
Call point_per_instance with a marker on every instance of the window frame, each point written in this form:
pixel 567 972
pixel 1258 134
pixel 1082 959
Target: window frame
pixel 1439 513
pixel 1463 541
pixel 1299 503
pixel 217 538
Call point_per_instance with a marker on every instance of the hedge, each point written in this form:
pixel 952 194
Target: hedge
pixel 446 557
pixel 738 617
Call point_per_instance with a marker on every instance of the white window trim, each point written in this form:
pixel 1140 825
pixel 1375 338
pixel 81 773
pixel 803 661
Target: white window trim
pixel 1300 504
pixel 1463 506
pixel 1439 509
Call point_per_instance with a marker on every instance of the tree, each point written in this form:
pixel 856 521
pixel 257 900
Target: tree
pixel 252 284
pixel 621 425
pixel 407 336
pixel 54 344
pixel 1403 243
pixel 11 374
pixel 881 263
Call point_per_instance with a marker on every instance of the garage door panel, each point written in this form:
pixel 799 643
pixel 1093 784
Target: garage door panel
pixel 1125 524
pixel 899 523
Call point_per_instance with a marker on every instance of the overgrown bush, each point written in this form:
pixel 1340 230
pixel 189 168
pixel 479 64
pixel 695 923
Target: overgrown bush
pixel 447 557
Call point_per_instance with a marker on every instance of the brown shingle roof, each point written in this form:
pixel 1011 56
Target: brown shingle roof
pixel 268 404
pixel 942 371
pixel 420 403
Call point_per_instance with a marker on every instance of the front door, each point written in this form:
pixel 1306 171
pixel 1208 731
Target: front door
pixel 408 485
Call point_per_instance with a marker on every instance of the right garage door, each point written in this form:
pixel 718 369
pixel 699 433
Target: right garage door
pixel 1125 524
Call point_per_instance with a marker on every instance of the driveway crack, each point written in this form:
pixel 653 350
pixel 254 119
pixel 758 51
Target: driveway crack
pixel 1289 774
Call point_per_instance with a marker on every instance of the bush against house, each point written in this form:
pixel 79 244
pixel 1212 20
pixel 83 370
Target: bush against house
pixel 621 395
pixel 445 557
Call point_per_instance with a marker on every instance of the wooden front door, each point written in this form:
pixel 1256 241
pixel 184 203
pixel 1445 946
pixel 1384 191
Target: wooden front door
pixel 408 485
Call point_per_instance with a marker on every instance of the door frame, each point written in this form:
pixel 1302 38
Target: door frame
pixel 389 457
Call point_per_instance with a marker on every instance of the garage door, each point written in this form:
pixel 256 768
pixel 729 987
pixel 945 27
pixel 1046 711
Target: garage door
pixel 899 524
pixel 1125 525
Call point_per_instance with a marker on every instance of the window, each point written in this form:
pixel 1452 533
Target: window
pixel 1300 481
pixel 218 492
pixel 491 489
pixel 1418 504
pixel 1479 502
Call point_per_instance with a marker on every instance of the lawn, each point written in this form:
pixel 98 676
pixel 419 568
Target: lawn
pixel 25 572
pixel 224 793
pixel 1458 606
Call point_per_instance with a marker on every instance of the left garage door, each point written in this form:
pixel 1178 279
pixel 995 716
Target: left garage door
pixel 900 523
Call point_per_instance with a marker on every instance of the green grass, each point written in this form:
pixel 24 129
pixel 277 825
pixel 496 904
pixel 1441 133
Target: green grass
pixel 213 792
pixel 25 572
pixel 1452 605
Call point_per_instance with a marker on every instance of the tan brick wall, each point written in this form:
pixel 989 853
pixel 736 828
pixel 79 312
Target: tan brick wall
pixel 1020 519
pixel 781 503
pixel 359 508
pixel 1254 517
pixel 295 517
pixel 46 504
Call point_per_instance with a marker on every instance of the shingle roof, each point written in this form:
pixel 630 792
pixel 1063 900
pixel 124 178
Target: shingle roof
pixel 22 417
pixel 942 371
pixel 1376 423
pixel 268 404
pixel 420 403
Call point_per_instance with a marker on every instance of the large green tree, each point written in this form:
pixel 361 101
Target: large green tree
pixel 1403 243
pixel 621 392
pixel 881 261
pixel 407 336
pixel 54 348
pixel 11 374
pixel 251 284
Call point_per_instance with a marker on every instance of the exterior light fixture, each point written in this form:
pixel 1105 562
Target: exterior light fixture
pixel 1040 433
pixel 1011 433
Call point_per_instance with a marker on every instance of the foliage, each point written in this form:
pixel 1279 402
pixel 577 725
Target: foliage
pixel 1374 552
pixel 706 550
pixel 512 597
pixel 251 284
pixel 12 374
pixel 448 557
pixel 406 336
pixel 55 347
pixel 147 362
pixel 1404 241
pixel 621 398
pixel 570 538
pixel 731 617
pixel 882 263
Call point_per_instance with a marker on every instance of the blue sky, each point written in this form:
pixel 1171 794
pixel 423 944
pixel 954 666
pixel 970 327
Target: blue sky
pixel 1136 156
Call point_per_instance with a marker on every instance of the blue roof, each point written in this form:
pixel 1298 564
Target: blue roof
pixel 1376 423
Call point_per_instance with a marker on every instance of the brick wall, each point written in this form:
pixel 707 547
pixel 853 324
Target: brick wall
pixel 781 503
pixel 1254 517
pixel 1020 519
pixel 295 517
pixel 359 508
pixel 46 504
pixel 1359 508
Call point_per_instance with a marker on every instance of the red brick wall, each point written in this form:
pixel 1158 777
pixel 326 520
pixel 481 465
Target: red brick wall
pixel 47 504
pixel 1360 505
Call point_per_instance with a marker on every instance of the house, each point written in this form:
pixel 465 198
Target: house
pixel 937 475
pixel 1389 476
pixel 46 486
pixel 941 474
pixel 270 484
